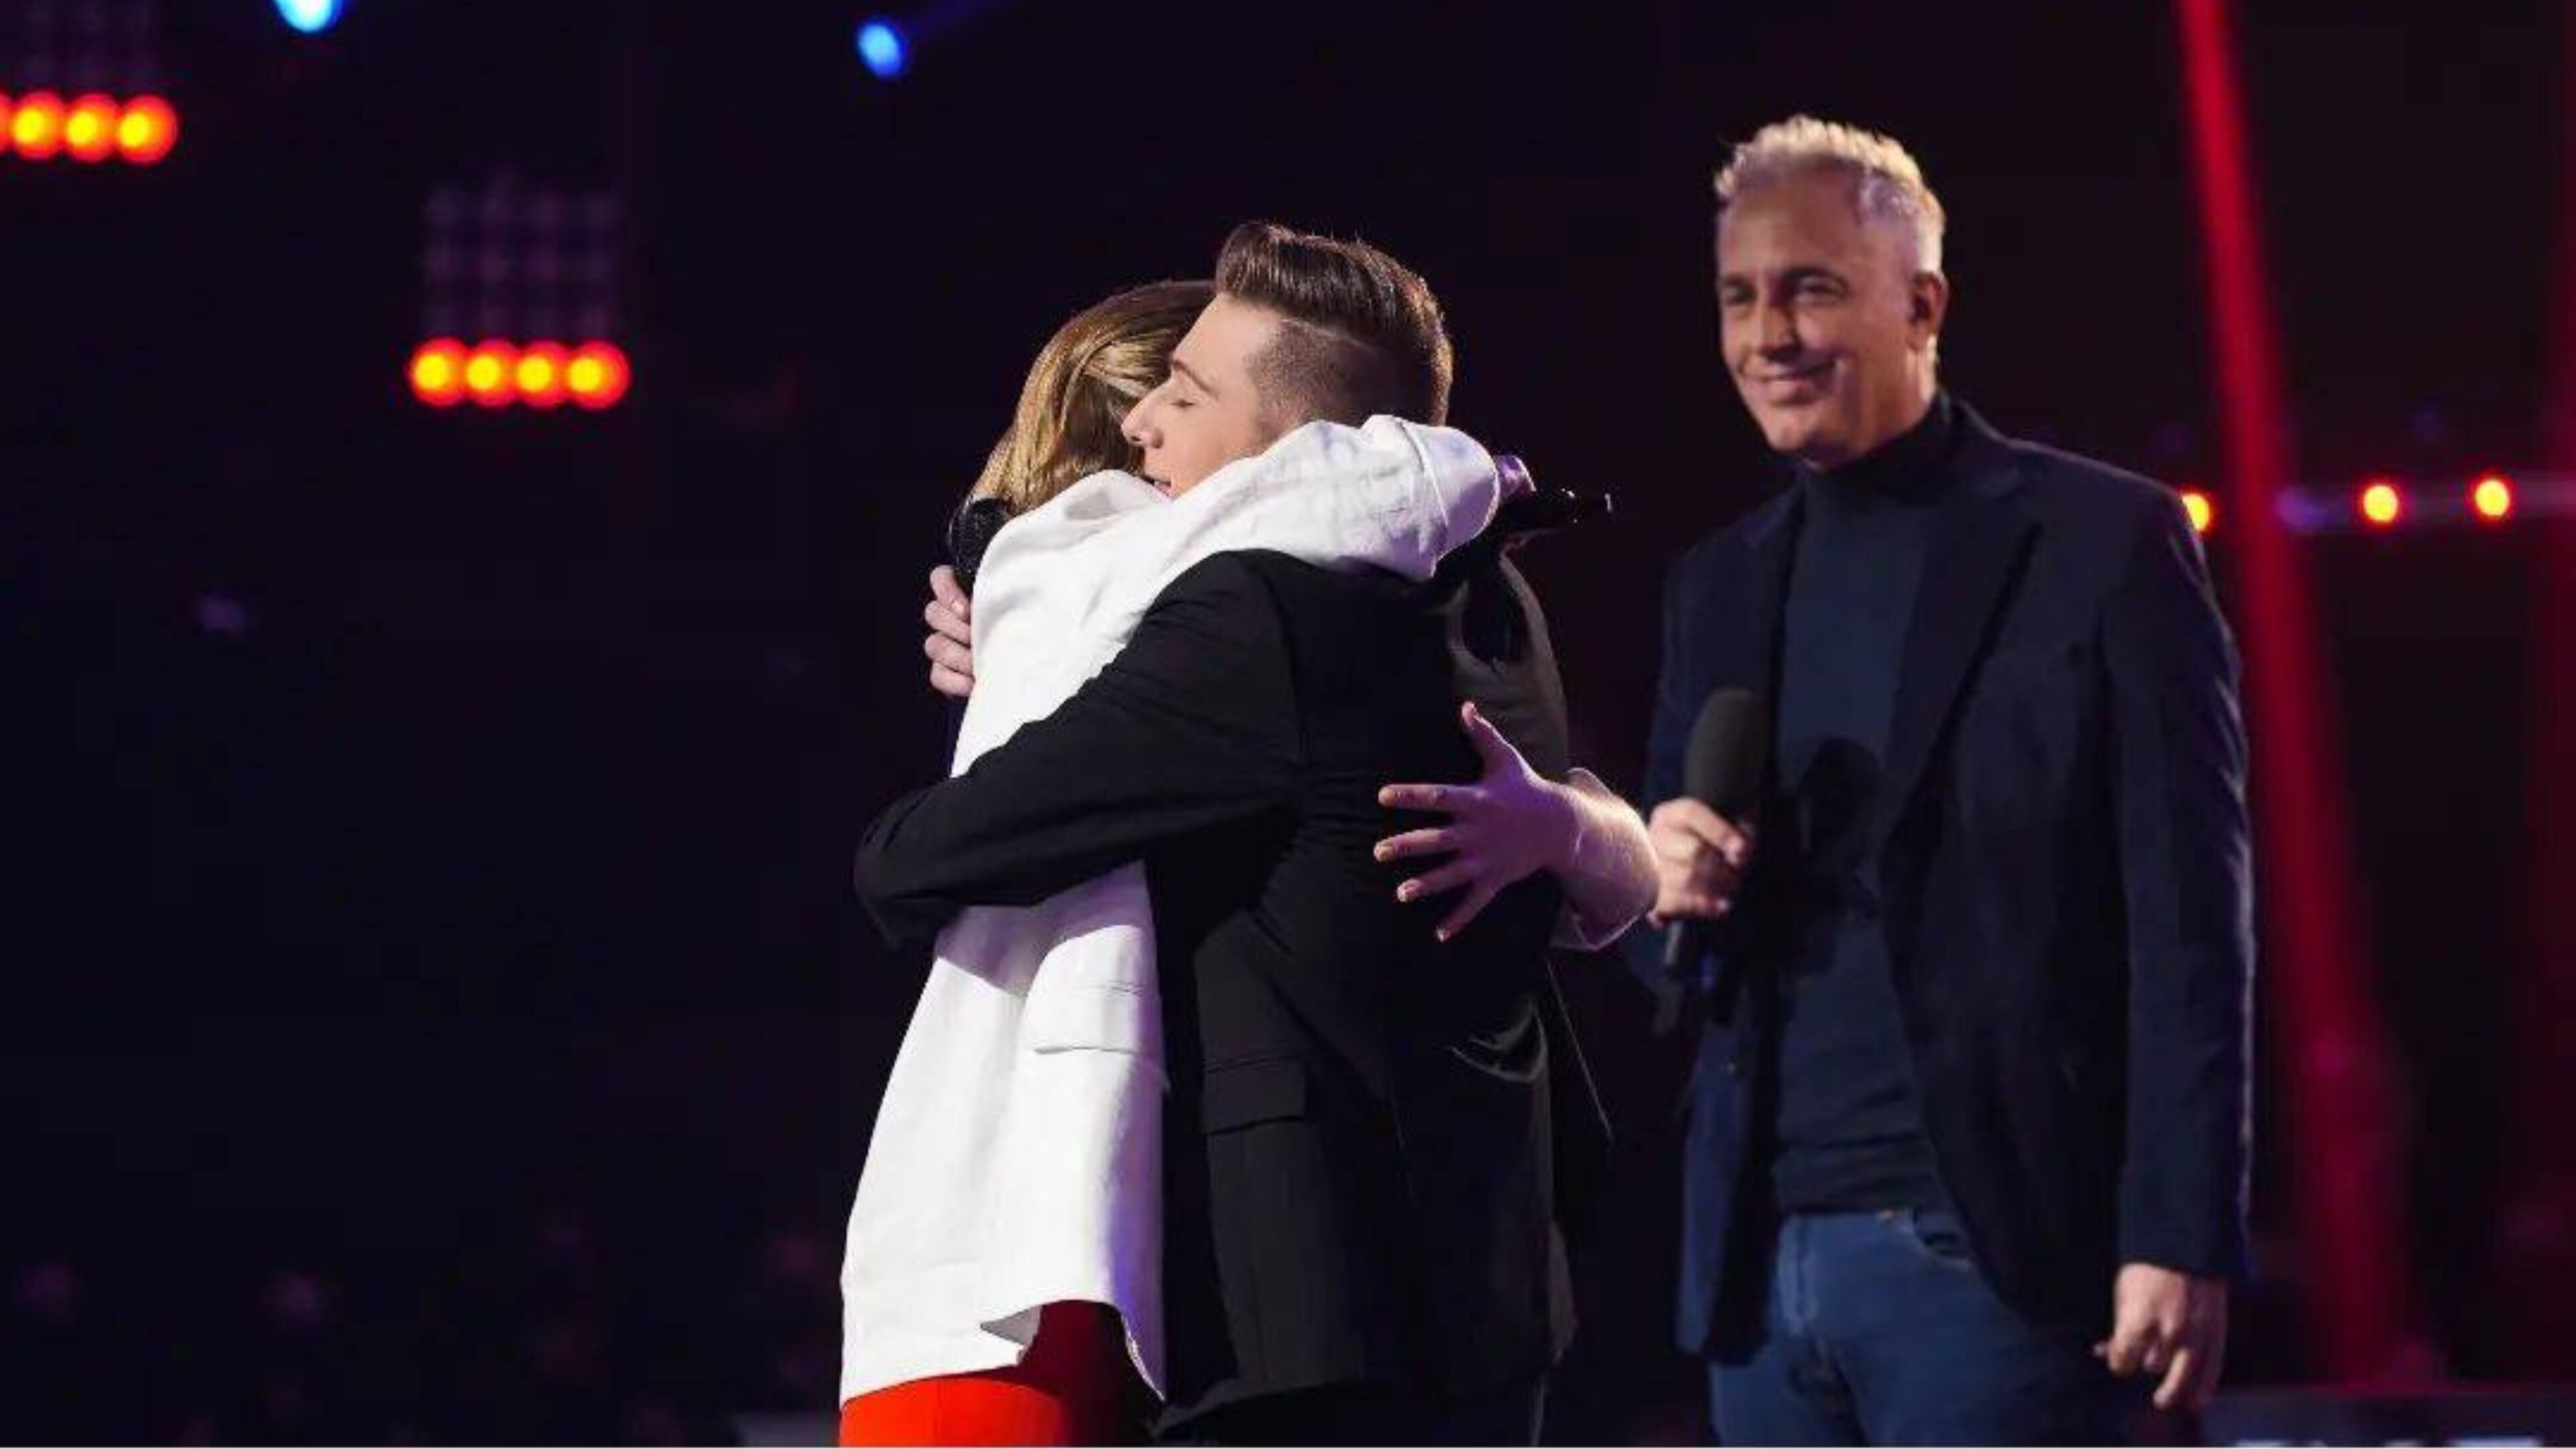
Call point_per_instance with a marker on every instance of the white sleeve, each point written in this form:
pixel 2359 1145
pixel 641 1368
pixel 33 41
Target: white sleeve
pixel 1390 494
pixel 1577 932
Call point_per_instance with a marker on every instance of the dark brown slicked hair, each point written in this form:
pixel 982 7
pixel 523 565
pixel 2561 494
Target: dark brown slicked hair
pixel 1360 332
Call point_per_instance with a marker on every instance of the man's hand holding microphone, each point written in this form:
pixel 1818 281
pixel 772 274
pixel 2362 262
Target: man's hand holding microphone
pixel 1700 860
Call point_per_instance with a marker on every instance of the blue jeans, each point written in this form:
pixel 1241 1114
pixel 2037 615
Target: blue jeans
pixel 1878 1329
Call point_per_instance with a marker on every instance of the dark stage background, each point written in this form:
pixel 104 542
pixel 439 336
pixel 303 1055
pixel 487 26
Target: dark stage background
pixel 435 1001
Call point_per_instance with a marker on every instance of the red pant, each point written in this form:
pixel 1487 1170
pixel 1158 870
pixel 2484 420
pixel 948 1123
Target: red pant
pixel 1075 1387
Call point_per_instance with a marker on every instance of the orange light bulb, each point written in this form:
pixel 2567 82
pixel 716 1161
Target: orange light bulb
pixel 146 130
pixel 598 375
pixel 438 372
pixel 36 128
pixel 89 128
pixel 491 374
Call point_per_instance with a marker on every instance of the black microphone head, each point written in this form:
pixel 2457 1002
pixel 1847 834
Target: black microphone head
pixel 970 532
pixel 1540 510
pixel 1730 747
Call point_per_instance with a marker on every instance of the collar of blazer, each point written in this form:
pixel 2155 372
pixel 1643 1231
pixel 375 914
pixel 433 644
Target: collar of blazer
pixel 1979 540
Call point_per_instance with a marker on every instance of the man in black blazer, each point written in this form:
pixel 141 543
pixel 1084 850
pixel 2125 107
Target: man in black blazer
pixel 1968 1123
pixel 1359 1212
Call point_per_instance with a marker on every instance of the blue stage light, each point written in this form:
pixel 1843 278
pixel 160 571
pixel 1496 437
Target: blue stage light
pixel 311 16
pixel 883 50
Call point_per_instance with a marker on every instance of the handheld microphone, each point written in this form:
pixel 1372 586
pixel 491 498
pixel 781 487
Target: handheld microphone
pixel 1722 768
pixel 1532 511
pixel 970 531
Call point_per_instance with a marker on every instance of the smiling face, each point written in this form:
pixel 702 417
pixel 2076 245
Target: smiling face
pixel 1829 328
pixel 1208 411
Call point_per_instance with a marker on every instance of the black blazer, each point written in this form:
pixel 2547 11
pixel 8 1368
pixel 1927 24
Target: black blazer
pixel 2067 894
pixel 1358 1150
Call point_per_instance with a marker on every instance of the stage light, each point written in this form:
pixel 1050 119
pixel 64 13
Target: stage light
pixel 537 266
pixel 2203 513
pixel 490 374
pixel 438 372
pixel 496 374
pixel 883 50
pixel 541 375
pixel 2492 498
pixel 2382 504
pixel 598 375
pixel 93 128
pixel 36 126
pixel 310 16
pixel 147 130
pixel 89 128
pixel 2320 972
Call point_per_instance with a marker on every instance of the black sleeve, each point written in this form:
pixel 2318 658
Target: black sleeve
pixel 1667 737
pixel 2178 752
pixel 1502 657
pixel 1193 725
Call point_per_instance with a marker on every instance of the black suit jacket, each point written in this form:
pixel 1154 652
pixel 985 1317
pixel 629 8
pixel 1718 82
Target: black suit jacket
pixel 2067 894
pixel 1358 1133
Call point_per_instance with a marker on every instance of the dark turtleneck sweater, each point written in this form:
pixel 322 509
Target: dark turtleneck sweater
pixel 1848 1127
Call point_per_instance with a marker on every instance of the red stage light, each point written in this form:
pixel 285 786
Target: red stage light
pixel 2320 976
pixel 2492 498
pixel 490 374
pixel 8 108
pixel 598 375
pixel 541 375
pixel 36 129
pixel 89 128
pixel 147 130
pixel 438 372
pixel 2382 504
pixel 2204 514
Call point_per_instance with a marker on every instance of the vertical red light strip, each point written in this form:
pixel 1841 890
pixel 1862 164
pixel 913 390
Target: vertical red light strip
pixel 2331 1054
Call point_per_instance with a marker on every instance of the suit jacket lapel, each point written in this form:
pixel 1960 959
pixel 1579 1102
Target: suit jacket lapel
pixel 1977 546
pixel 1744 629
pixel 1734 643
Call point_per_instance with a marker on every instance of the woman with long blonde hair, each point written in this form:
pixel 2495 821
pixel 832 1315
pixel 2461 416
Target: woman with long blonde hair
pixel 1075 1385
pixel 1065 428
pixel 1095 368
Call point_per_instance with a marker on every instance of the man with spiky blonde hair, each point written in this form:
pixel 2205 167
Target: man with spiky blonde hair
pixel 1890 182
pixel 1968 1124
